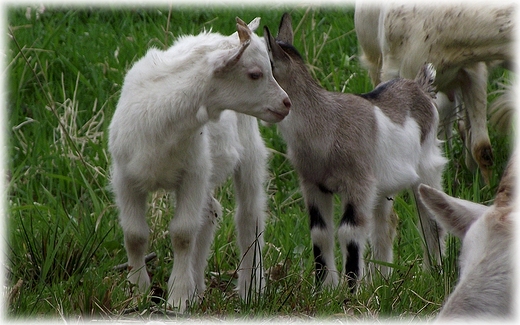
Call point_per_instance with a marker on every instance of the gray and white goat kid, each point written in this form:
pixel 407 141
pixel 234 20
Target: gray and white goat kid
pixel 177 127
pixel 366 148
pixel 485 288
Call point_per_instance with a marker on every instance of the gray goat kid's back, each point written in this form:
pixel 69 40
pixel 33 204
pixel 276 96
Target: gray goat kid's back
pixel 366 148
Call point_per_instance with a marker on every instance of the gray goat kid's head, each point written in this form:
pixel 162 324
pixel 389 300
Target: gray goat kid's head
pixel 285 58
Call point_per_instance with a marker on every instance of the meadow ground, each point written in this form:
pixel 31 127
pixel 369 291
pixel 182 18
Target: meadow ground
pixel 64 70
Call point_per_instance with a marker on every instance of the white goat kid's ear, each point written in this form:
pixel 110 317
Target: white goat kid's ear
pixel 233 56
pixel 253 25
pixel 285 31
pixel 455 215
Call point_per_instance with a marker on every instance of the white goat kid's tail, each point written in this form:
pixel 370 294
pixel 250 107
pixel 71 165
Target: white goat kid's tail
pixel 426 77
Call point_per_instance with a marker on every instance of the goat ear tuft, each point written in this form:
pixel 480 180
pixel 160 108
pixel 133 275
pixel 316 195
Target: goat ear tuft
pixel 285 31
pixel 254 24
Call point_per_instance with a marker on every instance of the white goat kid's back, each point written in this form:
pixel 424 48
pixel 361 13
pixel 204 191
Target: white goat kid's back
pixel 396 39
pixel 170 131
pixel 365 148
pixel 485 287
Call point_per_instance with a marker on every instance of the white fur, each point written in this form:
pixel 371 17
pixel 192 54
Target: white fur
pixel 176 127
pixel 396 39
pixel 485 286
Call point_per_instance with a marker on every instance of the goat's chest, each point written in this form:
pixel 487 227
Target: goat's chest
pixel 225 146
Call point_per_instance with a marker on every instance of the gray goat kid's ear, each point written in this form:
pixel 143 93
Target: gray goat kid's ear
pixel 275 51
pixel 285 31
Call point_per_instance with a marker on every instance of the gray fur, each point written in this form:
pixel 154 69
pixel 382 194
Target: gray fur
pixel 335 144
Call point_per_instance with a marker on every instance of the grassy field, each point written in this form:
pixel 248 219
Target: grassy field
pixel 64 73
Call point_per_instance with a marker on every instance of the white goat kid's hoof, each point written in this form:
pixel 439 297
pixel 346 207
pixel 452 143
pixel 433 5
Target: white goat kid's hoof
pixel 181 294
pixel 139 278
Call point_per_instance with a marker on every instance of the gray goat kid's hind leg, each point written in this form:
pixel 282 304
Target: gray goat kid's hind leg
pixel 132 206
pixel 211 216
pixel 382 235
pixel 319 204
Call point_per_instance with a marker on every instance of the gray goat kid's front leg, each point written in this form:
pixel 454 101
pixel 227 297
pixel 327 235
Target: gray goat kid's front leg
pixel 319 204
pixel 354 228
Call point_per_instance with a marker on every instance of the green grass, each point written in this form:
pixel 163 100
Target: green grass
pixel 64 76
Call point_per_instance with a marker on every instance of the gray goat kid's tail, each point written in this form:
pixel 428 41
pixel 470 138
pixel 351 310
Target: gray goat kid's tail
pixel 425 78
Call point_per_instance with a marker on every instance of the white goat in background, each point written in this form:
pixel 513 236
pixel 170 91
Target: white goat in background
pixel 396 39
pixel 365 148
pixel 485 287
pixel 175 128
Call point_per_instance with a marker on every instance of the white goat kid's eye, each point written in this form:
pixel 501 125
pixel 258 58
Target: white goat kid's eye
pixel 255 75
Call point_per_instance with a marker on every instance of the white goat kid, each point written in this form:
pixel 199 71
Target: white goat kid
pixel 170 131
pixel 396 39
pixel 366 148
pixel 485 288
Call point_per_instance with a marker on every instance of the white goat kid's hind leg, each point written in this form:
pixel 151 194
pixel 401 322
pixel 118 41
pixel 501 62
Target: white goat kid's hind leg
pixel 382 236
pixel 250 197
pixel 353 232
pixel 132 206
pixel 319 204
pixel 211 215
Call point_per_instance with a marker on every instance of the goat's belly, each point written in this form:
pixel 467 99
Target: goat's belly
pixel 398 154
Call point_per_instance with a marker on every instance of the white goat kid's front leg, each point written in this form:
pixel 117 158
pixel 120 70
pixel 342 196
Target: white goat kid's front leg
pixel 250 197
pixel 191 196
pixel 210 217
pixel 319 204
pixel 382 236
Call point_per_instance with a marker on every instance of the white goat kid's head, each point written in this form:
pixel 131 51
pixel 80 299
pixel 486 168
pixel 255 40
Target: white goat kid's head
pixel 244 80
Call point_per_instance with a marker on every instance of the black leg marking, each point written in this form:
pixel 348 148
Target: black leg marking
pixel 320 265
pixel 352 265
pixel 316 218
pixel 324 189
pixel 349 217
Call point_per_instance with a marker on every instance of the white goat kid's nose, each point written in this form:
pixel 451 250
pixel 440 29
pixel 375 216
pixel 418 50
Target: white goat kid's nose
pixel 287 102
